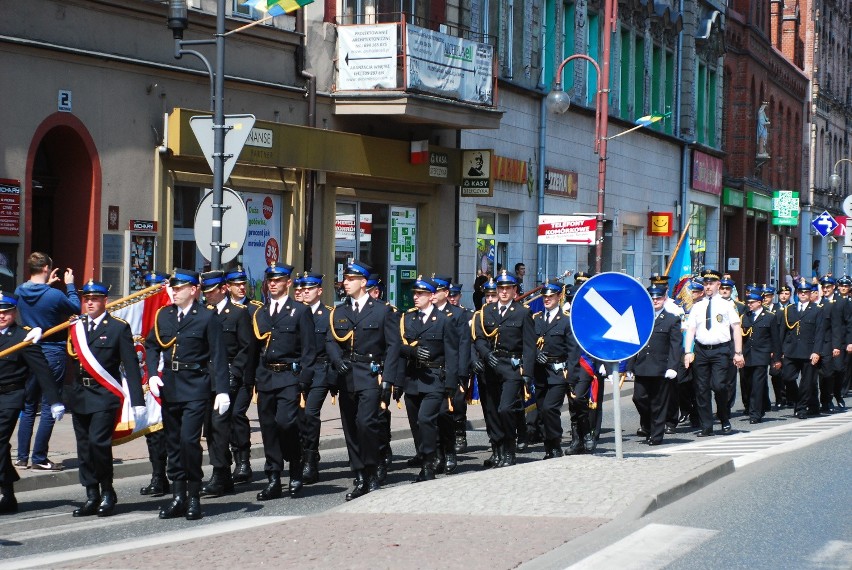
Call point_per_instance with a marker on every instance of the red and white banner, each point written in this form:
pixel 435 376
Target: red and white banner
pixel 419 152
pixel 140 316
pixel 570 230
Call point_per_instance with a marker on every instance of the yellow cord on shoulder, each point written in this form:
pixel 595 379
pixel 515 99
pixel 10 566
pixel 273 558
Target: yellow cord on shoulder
pixel 348 336
pixel 157 331
pixel 266 336
pixel 70 348
pixel 787 321
pixel 402 332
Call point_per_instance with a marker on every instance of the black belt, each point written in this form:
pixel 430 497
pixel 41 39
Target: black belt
pixel 88 381
pixel 435 364
pixel 711 346
pixel 556 359
pixel 322 360
pixel 6 388
pixel 185 366
pixel 355 357
pixel 506 354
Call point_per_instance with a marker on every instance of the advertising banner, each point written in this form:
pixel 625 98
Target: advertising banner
pixel 263 242
pixel 366 57
pixel 448 66
pixel 562 230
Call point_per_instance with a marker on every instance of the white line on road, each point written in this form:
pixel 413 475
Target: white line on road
pixel 206 530
pixel 89 524
pixel 835 554
pixel 651 547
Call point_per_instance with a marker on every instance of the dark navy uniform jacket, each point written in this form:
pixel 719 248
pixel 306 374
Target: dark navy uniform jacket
pixel 111 344
pixel 324 373
pixel 238 337
pixel 556 341
pixel 516 334
pixel 375 339
pixel 16 367
pixel 761 339
pixel 663 351
pixel 195 347
pixel 802 334
pixel 440 334
pixel 285 339
pixel 461 318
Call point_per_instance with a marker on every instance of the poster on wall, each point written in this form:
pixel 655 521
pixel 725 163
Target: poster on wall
pixel 263 242
pixel 141 259
pixel 403 236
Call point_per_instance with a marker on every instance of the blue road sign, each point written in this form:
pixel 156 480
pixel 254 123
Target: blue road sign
pixel 612 316
pixel 824 224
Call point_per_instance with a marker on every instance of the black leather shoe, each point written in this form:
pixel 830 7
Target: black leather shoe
pixel 522 444
pixel 177 508
pixel 90 507
pixel 295 486
pixel 726 427
pixel 451 460
pixel 802 415
pixel 108 501
pixel 272 489
pixel 416 461
pixel 754 420
pixel 654 443
pixel 381 471
pixel 8 502
pixel 426 474
pixel 670 430
pixel 492 461
pixel 310 471
pixel 841 403
pixel 360 487
pixel 589 442
pixel 461 439
pixel 642 433
pixel 220 482
pixel 158 486
pixel 373 483
pixel 683 420
pixel 193 507
pixel 242 467
pixel 387 457
pixel 705 433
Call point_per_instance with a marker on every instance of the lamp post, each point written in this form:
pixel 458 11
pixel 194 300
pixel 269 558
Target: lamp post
pixel 178 22
pixel 558 102
pixel 834 179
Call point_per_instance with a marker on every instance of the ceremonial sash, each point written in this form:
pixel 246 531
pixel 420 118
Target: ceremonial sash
pixel 90 363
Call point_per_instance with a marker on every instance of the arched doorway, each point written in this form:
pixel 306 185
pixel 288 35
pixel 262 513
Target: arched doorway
pixel 63 196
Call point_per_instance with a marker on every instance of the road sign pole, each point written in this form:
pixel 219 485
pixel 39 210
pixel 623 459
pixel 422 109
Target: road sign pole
pixel 616 411
pixel 218 138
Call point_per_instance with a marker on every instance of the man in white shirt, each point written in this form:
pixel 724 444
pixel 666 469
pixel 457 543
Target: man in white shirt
pixel 713 325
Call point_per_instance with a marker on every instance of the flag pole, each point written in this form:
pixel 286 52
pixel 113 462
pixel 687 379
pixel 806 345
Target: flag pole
pixel 117 304
pixel 677 247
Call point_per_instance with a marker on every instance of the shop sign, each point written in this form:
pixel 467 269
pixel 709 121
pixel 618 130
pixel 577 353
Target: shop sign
pixel 476 174
pixel 143 225
pixel 509 169
pixel 563 183
pixel 10 207
pixel 403 235
pixel 785 208
pixel 561 230
pixel 706 173
pixel 660 224
pixel 438 164
pixel 344 227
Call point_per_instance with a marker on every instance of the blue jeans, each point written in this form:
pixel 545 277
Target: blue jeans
pixel 56 357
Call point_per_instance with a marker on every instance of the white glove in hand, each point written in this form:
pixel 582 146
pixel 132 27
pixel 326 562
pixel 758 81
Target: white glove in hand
pixel 671 374
pixel 139 413
pixel 154 384
pixel 631 376
pixel 222 403
pixel 57 411
pixel 34 335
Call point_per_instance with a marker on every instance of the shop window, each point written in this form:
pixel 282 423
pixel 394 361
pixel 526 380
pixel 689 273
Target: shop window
pixel 492 252
pixel 361 232
pixel 660 253
pixel 773 260
pixel 185 253
pixel 789 255
pixel 628 251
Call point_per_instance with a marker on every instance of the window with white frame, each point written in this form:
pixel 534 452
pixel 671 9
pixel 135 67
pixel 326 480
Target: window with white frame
pixel 659 254
pixel 628 251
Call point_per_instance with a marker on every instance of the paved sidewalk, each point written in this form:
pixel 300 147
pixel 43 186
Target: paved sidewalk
pixel 489 520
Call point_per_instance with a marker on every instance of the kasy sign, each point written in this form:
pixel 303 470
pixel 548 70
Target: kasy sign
pixel 561 230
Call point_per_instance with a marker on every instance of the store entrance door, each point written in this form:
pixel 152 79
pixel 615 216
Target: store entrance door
pixel 360 232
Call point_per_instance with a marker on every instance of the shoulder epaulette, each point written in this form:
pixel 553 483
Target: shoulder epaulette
pixel 209 306
pixel 240 305
pixel 256 303
pixel 119 319
pixel 411 310
pixel 27 328
pixel 538 314
pixel 328 307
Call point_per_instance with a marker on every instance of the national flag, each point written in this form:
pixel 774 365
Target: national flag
pixel 682 264
pixel 140 316
pixel 419 152
pixel 651 119
pixel 276 7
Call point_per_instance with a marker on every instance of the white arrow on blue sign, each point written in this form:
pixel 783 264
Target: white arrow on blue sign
pixel 612 316
pixel 824 224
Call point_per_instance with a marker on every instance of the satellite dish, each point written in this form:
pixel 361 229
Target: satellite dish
pixel 234 225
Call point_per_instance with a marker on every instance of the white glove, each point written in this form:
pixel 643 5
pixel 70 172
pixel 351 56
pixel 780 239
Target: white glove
pixel 222 403
pixel 154 384
pixel 57 410
pixel 34 335
pixel 139 413
pixel 602 370
pixel 631 376
pixel 671 374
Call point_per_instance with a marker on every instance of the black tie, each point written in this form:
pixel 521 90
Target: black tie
pixel 355 306
pixel 277 308
pixel 503 311
pixel 91 326
pixel 549 317
pixel 709 313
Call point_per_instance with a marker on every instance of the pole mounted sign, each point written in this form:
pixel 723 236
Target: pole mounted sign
pixel 570 230
pixel 824 224
pixel 237 131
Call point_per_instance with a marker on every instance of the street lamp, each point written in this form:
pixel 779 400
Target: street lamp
pixel 834 179
pixel 558 102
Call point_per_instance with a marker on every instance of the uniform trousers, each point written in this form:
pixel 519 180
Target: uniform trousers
pixel 485 379
pixel 651 397
pixel 218 429
pixel 505 392
pixel 94 446
pixel 8 419
pixel 778 388
pixel 240 435
pixel 447 420
pixel 711 377
pixel 549 399
pixel 278 412
pixel 423 410
pixel 157 451
pixel 732 386
pixel 183 422
pixel 799 376
pixel 359 414
pixel 310 416
pixel 578 405
pixel 754 386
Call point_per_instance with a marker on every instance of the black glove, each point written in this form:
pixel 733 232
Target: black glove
pixel 528 381
pixel 541 358
pixel 387 388
pixel 233 383
pixel 477 366
pixel 492 360
pixel 344 366
pixel 303 387
pixel 450 391
pixel 333 391
pixel 397 393
pixel 423 353
pixel 407 351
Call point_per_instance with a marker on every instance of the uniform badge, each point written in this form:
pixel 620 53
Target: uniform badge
pixel 719 318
